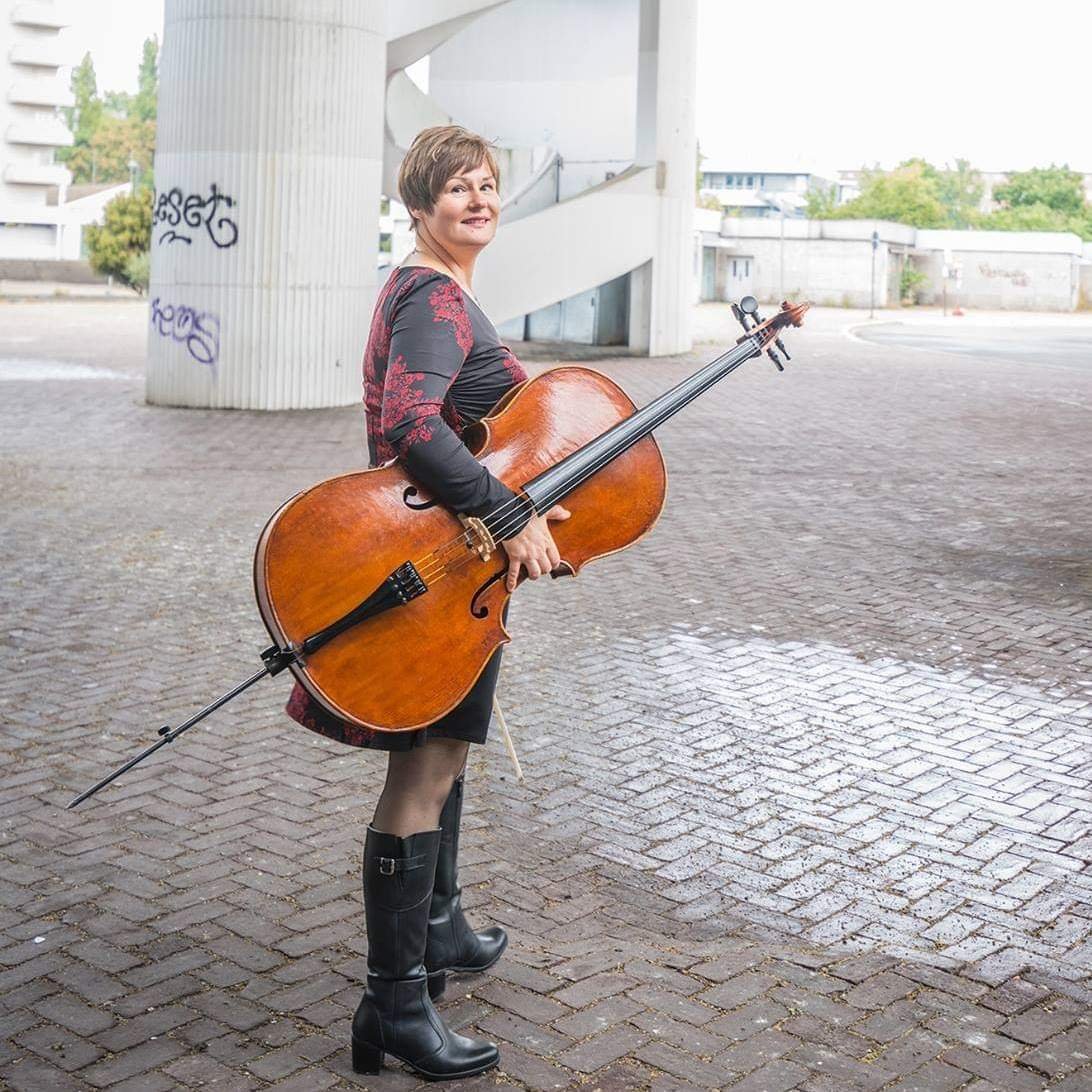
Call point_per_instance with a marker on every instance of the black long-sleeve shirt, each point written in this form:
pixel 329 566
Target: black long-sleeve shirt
pixel 434 364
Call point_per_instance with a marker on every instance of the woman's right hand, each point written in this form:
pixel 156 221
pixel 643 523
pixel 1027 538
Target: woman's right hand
pixel 533 548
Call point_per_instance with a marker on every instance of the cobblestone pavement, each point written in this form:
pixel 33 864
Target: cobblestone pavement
pixel 807 770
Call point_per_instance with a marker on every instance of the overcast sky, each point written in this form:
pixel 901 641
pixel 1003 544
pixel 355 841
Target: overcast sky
pixel 829 85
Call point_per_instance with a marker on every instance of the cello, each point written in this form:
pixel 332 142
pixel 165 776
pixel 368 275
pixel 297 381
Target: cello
pixel 386 606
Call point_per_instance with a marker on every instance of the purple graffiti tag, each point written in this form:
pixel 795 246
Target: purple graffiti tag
pixel 199 331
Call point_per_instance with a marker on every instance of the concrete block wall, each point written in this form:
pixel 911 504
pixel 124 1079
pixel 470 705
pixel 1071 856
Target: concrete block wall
pixel 33 269
pixel 829 272
pixel 1006 281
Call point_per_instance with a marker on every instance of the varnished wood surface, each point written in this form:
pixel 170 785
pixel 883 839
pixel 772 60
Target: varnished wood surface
pixel 328 547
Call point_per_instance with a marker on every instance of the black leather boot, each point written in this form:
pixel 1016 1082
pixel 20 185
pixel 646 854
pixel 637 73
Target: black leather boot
pixel 452 944
pixel 396 1015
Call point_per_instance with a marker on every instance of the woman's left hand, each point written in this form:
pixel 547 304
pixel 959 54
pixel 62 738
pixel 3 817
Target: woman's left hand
pixel 534 548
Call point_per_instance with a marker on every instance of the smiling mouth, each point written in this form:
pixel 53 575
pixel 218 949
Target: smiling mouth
pixel 477 221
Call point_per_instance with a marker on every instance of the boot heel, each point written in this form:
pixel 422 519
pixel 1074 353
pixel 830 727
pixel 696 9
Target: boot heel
pixel 366 1058
pixel 437 983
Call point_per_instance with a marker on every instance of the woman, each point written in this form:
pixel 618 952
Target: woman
pixel 433 365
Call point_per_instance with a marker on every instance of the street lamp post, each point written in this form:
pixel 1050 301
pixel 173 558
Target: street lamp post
pixel 781 274
pixel 134 166
pixel 872 287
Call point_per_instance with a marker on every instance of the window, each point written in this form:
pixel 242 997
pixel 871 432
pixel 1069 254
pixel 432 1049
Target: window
pixel 750 180
pixel 747 268
pixel 735 272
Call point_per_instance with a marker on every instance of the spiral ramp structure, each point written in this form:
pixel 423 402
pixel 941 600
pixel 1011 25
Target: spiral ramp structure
pixel 281 125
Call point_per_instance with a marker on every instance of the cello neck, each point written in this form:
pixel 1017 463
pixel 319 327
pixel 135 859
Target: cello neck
pixel 554 484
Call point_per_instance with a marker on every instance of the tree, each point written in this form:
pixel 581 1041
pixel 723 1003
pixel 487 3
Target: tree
pixel 83 119
pixel 1026 218
pixel 126 231
pixel 1042 199
pixel 917 193
pixel 960 190
pixel 822 203
pixel 907 195
pixel 119 141
pixel 1057 188
pixel 112 130
pixel 144 105
pixel 119 103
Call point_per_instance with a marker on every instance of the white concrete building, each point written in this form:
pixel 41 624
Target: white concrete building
pixel 262 297
pixel 31 59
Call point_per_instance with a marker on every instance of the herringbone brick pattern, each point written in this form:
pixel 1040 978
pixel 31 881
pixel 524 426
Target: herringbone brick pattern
pixel 807 799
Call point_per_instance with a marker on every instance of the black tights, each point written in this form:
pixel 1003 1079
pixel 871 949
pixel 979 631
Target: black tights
pixel 418 783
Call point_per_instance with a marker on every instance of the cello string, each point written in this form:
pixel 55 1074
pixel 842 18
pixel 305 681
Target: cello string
pixel 437 563
pixel 548 500
pixel 444 568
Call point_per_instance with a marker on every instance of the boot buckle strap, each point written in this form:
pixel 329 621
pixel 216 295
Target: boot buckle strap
pixel 389 865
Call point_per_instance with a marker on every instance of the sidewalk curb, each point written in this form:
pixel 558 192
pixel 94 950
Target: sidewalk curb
pixel 851 330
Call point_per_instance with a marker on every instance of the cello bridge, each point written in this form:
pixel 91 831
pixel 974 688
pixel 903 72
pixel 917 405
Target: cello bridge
pixel 478 537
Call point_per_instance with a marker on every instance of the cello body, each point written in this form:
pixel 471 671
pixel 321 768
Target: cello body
pixel 330 545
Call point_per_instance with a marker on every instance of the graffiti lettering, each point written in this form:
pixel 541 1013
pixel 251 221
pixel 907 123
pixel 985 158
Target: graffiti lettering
pixel 199 331
pixel 177 209
pixel 1018 277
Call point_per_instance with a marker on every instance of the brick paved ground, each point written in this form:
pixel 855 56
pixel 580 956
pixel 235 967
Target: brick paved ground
pixel 807 800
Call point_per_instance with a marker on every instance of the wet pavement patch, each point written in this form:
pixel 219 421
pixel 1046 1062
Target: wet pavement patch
pixel 24 370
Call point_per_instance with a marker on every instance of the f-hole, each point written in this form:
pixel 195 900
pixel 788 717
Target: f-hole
pixel 479 610
pixel 420 506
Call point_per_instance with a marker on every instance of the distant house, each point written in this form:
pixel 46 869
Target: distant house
pixel 758 194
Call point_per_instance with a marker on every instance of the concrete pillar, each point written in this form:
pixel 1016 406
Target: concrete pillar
pixel 666 139
pixel 267 173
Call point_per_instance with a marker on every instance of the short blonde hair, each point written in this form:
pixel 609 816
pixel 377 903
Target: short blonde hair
pixel 436 155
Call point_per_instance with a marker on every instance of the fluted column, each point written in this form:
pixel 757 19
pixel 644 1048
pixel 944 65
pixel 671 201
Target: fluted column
pixel 267 169
pixel 661 291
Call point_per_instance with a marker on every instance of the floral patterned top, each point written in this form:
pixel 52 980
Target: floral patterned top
pixel 433 365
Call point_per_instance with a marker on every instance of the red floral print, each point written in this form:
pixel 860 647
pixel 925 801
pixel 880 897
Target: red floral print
pixel 405 402
pixel 303 708
pixel 448 305
pixel 512 366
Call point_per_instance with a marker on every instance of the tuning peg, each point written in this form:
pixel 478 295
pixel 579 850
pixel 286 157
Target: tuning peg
pixel 781 345
pixel 742 318
pixel 776 359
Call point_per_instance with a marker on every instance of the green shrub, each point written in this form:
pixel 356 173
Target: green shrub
pixel 125 232
pixel 138 270
pixel 910 281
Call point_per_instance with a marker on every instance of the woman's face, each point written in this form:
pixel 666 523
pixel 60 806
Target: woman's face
pixel 465 214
